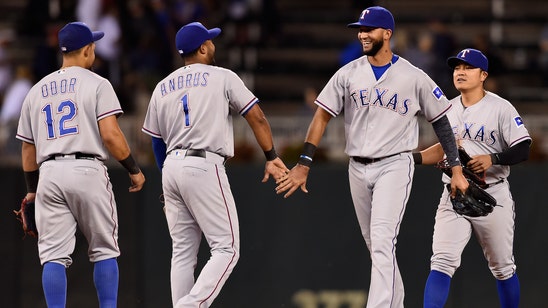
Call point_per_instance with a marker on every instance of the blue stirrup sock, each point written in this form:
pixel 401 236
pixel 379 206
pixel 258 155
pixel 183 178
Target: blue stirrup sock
pixel 509 292
pixel 436 290
pixel 54 283
pixel 105 277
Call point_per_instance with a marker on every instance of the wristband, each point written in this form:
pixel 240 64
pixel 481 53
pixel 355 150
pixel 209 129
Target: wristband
pixel 417 158
pixel 31 179
pixel 271 155
pixel 130 165
pixel 305 160
pixel 308 152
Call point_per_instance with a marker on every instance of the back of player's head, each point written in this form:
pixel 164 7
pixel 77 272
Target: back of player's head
pixel 192 36
pixel 76 35
pixel 375 17
pixel 469 56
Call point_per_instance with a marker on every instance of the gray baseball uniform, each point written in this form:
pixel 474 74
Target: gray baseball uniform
pixel 381 127
pixel 59 116
pixel 490 126
pixel 191 110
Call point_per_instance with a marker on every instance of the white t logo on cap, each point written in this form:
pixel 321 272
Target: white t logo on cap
pixel 364 12
pixel 464 52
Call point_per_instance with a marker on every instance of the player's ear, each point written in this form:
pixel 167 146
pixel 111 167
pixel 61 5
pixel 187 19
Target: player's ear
pixel 203 48
pixel 387 34
pixel 484 75
pixel 87 50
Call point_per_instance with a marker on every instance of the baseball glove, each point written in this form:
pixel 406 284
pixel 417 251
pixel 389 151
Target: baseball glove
pixel 475 201
pixel 478 178
pixel 26 216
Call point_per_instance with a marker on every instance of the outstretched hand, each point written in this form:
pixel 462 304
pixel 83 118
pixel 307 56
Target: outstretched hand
pixel 275 168
pixel 294 179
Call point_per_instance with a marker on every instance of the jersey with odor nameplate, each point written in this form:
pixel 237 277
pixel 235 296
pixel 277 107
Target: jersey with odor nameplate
pixel 60 113
pixel 492 125
pixel 192 108
pixel 381 115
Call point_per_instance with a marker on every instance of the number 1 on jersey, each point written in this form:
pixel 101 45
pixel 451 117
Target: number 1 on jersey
pixel 184 101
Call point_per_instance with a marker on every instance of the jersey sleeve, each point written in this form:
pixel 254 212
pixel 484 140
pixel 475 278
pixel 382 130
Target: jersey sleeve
pixel 24 128
pixel 107 101
pixel 513 127
pixel 150 125
pixel 239 96
pixel 433 102
pixel 331 98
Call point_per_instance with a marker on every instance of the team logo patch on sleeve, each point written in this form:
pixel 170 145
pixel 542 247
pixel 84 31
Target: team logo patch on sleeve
pixel 438 93
pixel 519 121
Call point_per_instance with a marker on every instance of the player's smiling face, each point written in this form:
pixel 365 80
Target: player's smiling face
pixel 372 39
pixel 466 77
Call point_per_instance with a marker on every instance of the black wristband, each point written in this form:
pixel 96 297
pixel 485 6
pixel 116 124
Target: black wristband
pixel 130 165
pixel 417 157
pixel 309 149
pixel 31 179
pixel 271 155
pixel 308 153
pixel 305 160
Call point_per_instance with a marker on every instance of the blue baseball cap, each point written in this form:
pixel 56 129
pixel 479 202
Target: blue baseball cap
pixel 192 36
pixel 76 35
pixel 469 56
pixel 375 17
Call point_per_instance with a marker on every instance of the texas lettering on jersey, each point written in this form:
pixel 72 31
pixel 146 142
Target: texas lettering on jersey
pixel 377 97
pixel 475 132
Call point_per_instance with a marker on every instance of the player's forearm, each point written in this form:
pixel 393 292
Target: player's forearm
pixel 431 155
pixel 445 135
pixel 512 155
pixel 313 137
pixel 261 129
pixel 116 144
pixel 28 157
pixel 30 167
pixel 317 127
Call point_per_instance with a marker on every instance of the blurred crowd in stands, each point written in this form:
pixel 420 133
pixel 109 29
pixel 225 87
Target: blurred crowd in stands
pixel 138 48
pixel 136 52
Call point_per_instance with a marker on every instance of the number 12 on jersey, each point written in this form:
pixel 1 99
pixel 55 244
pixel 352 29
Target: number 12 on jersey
pixel 67 110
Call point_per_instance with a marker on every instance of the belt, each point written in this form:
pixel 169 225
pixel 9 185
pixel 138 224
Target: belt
pixel 213 157
pixel 197 153
pixel 495 183
pixel 76 155
pixel 367 160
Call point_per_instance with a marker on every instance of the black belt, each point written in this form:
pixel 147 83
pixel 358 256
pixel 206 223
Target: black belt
pixel 495 183
pixel 366 160
pixel 197 153
pixel 191 152
pixel 77 155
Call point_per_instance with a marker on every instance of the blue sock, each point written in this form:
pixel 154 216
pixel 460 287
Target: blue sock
pixel 436 290
pixel 54 283
pixel 509 292
pixel 105 276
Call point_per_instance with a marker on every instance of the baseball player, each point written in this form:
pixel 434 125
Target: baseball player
pixel 68 126
pixel 190 120
pixel 490 129
pixel 381 95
